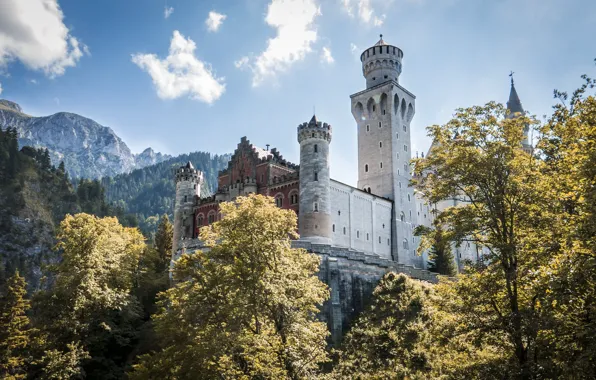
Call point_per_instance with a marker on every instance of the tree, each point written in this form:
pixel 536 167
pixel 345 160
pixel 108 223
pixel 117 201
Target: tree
pixel 245 307
pixel 478 159
pixel 391 338
pixel 163 242
pixel 439 245
pixel 91 304
pixel 14 329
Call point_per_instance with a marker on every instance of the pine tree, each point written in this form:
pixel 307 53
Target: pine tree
pixel 14 328
pixel 437 241
pixel 163 242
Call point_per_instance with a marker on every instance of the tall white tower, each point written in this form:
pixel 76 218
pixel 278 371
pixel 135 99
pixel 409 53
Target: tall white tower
pixel 314 218
pixel 188 188
pixel 383 112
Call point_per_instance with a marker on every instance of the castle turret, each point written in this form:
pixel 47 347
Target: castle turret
pixel 188 188
pixel 383 113
pixel 381 63
pixel 314 217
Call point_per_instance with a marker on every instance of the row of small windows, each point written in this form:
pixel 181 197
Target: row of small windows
pixel 210 218
pixel 279 199
pixel 374 50
pixel 358 235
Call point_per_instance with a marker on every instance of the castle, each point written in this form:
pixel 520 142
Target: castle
pixel 360 232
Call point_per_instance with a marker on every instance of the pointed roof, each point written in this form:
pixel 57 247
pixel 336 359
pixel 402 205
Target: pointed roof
pixel 514 104
pixel 189 165
pixel 381 42
pixel 313 121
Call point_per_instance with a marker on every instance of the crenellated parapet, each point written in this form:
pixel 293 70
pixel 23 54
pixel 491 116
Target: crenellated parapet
pixel 314 129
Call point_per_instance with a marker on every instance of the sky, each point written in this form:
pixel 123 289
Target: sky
pixel 190 75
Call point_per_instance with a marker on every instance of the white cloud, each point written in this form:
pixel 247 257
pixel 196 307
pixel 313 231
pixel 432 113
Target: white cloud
pixel 214 21
pixel 353 48
pixel 241 63
pixel 294 21
pixel 33 32
pixel 167 11
pixel 181 73
pixel 326 56
pixel 33 81
pixel 364 10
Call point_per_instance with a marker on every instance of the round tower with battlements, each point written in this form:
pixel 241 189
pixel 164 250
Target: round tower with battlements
pixel 188 188
pixel 314 216
pixel 381 63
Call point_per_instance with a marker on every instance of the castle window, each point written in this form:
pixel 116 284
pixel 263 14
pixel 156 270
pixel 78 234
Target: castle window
pixel 409 200
pixel 405 128
pixel 316 148
pixel 367 236
pixel 294 199
pixel 387 241
pixel 279 200
pixel 402 217
pixel 387 49
pixel 185 198
pixel 262 178
pixel 397 136
pixel 211 218
pixel 379 240
pixel 380 125
pixel 397 171
pixel 405 244
pixel 399 184
pixel 358 234
pixel 383 225
pixel 394 50
pixel 380 144
pixel 344 230
pixel 194 186
pixel 366 168
pixel 374 78
pixel 385 78
pixel 316 176
pixel 368 190
pixel 397 155
pixel 383 112
pixel 338 212
pixel 315 207
pixel 410 215
pixel 374 106
pixel 200 219
pixel 367 128
pixel 406 168
pixel 381 165
pixel 405 148
pixel 333 228
pixel 313 135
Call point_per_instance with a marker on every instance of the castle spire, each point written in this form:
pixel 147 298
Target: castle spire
pixel 514 104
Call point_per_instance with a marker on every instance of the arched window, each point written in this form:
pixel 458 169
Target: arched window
pixel 381 165
pixel 185 198
pixel 333 227
pixel 380 144
pixel 279 200
pixel 397 135
pixel 405 148
pixel 402 217
pixel 368 190
pixel 316 148
pixel 405 128
pixel 406 168
pixel 387 241
pixel 399 184
pixel 380 125
pixel 379 240
pixel 358 234
pixel 315 206
pixel 316 176
pixel 211 217
pixel 366 168
pixel 367 128
pixel 367 236
pixel 405 243
pixel 200 219
pixel 293 198
pixel 344 230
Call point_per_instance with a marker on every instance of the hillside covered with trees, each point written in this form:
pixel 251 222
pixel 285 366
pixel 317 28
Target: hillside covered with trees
pixel 149 192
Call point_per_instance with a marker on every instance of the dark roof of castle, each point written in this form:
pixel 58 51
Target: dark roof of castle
pixel 313 121
pixel 514 104
pixel 189 165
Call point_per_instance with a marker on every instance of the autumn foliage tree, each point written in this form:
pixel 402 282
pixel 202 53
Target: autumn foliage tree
pixel 246 306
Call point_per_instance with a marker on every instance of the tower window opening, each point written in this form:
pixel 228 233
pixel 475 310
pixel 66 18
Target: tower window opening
pixel 397 155
pixel 368 190
pixel 380 125
pixel 381 165
pixel 367 128
pixel 405 148
pixel 279 201
pixel 316 148
pixel 385 78
pixel 405 128
pixel 402 217
pixel 379 240
pixel 358 234
pixel 383 112
pixel 374 78
pixel 380 144
pixel 333 227
pixel 406 168
pixel 316 176
pixel 405 244
pixel 366 168
pixel 374 106
pixel 367 236
pixel 344 230
pixel 387 49
pixel 399 184
pixel 315 207
pixel 338 212
pixel 387 241
pixel 374 51
pixel 397 135
pixel 194 186
pixel 409 201
pixel 185 198
pixel 313 135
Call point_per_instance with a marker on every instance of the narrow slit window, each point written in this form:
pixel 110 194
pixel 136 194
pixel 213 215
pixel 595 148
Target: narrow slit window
pixel 316 148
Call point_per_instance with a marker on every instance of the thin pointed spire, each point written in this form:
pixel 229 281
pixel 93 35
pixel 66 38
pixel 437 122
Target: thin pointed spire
pixel 514 104
pixel 313 121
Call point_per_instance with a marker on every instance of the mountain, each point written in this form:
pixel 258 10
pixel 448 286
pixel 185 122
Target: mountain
pixel 88 149
pixel 149 192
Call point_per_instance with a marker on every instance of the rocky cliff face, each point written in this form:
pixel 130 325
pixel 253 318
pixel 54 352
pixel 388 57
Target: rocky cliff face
pixel 88 149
